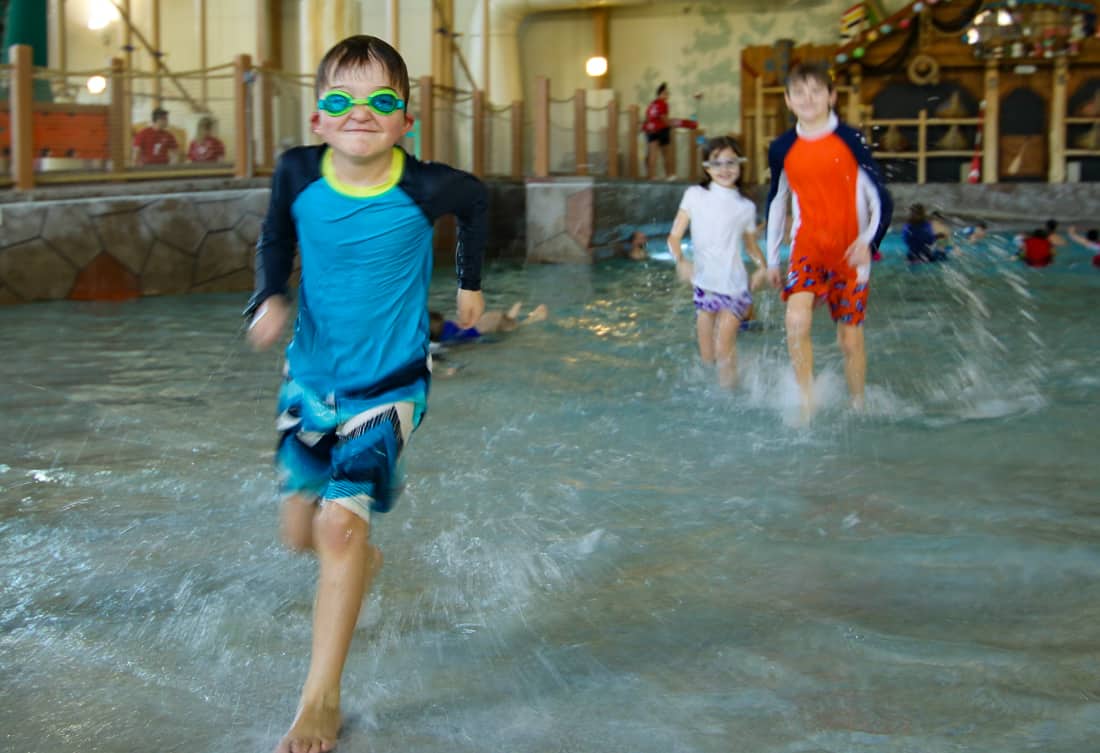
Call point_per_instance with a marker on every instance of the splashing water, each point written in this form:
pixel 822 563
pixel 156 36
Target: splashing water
pixel 598 548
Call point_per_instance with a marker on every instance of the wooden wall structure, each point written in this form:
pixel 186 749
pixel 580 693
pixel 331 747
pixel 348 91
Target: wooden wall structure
pixel 933 110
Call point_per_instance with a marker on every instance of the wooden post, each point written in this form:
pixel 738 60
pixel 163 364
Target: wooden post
pixel 157 53
pixel 601 42
pixel 632 143
pixel 200 23
pixel 485 73
pixel 855 78
pixel 116 116
pixel 267 115
pixel 21 101
pixel 580 132
pixel 517 139
pixel 427 119
pixel 62 41
pixel 672 168
pixel 393 21
pixel 542 127
pixel 1057 169
pixel 922 147
pixel 696 155
pixel 613 138
pixel 759 139
pixel 479 133
pixel 242 162
pixel 991 123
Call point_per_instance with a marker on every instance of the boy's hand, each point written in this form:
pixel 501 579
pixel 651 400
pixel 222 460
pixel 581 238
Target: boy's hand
pixel 471 305
pixel 268 322
pixel 858 254
pixel 773 278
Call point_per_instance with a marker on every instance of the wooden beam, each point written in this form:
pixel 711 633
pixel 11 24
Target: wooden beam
pixel 632 145
pixel 613 138
pixel 20 57
pixel 1057 169
pixel 518 132
pixel 580 132
pixel 542 127
pixel 991 123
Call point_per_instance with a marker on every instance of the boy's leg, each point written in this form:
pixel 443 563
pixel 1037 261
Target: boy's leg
pixel 800 310
pixel 850 339
pixel 348 564
pixel 296 521
pixel 726 351
pixel 704 331
pixel 538 314
pixel 651 148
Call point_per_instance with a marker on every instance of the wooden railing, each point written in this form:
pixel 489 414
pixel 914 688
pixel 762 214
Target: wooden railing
pixel 260 112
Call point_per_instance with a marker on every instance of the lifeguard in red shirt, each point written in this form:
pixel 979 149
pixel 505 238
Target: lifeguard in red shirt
pixel 823 172
pixel 155 144
pixel 658 133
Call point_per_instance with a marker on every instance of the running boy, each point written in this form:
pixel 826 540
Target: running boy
pixel 358 368
pixel 841 212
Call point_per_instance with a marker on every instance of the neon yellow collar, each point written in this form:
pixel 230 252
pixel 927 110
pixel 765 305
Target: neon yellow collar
pixel 397 167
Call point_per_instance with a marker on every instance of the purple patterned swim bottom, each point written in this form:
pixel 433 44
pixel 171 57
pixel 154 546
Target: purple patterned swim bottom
pixel 738 305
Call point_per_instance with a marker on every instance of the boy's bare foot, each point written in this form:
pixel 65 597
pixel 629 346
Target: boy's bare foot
pixel 315 730
pixel 513 313
pixel 539 313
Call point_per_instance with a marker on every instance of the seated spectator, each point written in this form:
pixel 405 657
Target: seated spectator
pixel 155 144
pixel 206 147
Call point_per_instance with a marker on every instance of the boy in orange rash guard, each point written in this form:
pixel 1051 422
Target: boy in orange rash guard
pixel 840 210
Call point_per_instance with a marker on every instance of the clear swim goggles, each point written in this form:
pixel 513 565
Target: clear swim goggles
pixel 717 164
pixel 382 101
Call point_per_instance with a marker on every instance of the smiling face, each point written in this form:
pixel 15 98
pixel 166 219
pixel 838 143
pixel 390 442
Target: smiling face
pixel 724 167
pixel 811 100
pixel 362 133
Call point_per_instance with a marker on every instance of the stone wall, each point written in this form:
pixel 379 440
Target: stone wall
pixel 118 242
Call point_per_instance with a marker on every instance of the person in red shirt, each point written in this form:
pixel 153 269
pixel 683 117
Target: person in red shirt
pixel 206 147
pixel 658 132
pixel 155 144
pixel 1037 250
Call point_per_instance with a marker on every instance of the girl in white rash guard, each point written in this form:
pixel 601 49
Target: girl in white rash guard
pixel 723 223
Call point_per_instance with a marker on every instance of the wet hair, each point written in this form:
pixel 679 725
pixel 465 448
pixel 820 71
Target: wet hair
pixel 981 224
pixel 1040 232
pixel 662 88
pixel 1093 235
pixel 158 113
pixel 916 214
pixel 435 326
pixel 715 145
pixel 1052 225
pixel 358 52
pixel 809 72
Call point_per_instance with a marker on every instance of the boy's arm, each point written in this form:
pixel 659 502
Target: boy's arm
pixel 438 190
pixel 779 196
pixel 278 238
pixel 871 187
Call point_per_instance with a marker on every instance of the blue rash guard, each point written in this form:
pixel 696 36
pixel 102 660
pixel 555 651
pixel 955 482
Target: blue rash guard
pixel 366 265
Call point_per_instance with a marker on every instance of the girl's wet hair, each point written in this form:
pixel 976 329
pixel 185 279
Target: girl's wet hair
pixel 715 145
pixel 917 214
pixel 358 52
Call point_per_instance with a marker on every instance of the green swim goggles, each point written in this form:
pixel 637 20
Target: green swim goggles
pixel 382 101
